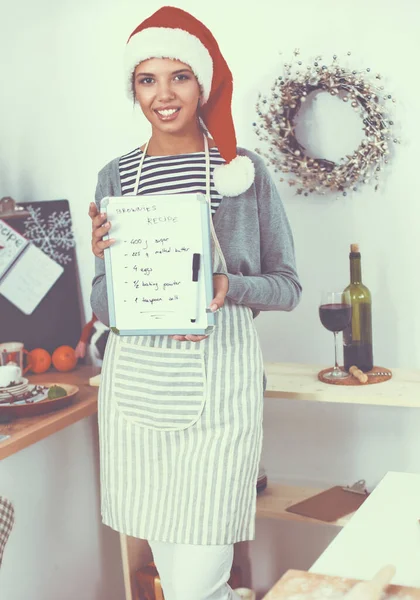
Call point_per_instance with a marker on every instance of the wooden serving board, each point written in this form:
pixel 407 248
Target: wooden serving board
pixel 301 585
pixel 373 377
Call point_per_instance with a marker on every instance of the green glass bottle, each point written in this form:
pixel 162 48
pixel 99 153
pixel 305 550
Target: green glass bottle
pixel 357 337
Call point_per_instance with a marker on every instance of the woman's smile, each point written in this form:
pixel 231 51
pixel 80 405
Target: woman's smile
pixel 167 114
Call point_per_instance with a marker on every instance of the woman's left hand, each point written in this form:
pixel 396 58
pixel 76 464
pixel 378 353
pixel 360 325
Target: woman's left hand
pixel 220 289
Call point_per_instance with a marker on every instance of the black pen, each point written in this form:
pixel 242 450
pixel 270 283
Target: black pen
pixel 195 269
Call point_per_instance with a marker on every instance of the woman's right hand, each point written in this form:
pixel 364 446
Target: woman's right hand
pixel 100 227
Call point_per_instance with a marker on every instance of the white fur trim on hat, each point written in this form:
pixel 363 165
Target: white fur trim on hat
pixel 235 177
pixel 165 42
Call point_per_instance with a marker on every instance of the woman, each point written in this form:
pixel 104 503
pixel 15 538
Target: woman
pixel 189 488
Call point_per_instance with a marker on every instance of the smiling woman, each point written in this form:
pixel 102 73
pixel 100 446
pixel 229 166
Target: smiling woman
pixel 169 95
pixel 181 416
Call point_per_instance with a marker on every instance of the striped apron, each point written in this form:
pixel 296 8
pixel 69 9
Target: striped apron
pixel 180 428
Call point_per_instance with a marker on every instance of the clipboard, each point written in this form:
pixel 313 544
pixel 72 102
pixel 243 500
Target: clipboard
pixel 46 327
pixel 149 268
pixel 332 504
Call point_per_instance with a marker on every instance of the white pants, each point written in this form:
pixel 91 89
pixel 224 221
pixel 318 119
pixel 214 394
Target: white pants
pixel 192 572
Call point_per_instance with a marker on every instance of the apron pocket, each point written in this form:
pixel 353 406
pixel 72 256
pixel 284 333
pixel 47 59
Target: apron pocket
pixel 159 388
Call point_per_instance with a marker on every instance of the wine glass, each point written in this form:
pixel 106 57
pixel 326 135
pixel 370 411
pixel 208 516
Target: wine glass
pixel 335 315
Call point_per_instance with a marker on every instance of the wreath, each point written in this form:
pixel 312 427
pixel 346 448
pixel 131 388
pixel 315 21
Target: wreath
pixel 276 125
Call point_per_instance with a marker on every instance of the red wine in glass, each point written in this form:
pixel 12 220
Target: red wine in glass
pixel 335 315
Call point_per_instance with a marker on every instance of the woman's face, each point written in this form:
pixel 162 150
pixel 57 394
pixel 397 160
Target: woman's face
pixel 168 93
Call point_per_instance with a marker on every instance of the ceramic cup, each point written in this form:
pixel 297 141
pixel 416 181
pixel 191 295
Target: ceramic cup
pixel 14 352
pixel 8 374
pixel 246 593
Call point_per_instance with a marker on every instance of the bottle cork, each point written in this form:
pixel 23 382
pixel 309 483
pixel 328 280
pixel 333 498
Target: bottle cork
pixel 354 248
pixel 356 372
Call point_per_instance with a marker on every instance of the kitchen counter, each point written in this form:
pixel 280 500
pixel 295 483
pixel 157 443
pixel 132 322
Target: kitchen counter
pixel 24 432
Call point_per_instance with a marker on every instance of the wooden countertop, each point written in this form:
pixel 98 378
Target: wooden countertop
pixel 300 382
pixel 24 432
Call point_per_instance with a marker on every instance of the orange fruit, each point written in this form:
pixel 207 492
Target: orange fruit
pixel 64 358
pixel 39 360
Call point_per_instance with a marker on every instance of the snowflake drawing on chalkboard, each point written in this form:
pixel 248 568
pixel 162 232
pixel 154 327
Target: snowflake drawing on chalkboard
pixel 53 235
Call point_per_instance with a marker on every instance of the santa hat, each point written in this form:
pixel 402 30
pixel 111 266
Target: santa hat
pixel 173 33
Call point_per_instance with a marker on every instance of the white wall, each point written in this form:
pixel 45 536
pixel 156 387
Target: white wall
pixel 64 115
pixel 58 549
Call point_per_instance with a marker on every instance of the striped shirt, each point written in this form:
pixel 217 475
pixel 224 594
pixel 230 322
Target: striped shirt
pixel 175 174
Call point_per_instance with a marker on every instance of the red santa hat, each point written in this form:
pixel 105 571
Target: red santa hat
pixel 173 33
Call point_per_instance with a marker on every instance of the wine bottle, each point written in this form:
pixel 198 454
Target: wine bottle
pixel 357 337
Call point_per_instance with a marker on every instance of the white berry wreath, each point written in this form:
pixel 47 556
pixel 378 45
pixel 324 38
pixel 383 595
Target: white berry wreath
pixel 276 126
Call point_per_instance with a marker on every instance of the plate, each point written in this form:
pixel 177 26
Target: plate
pixel 36 394
pixel 43 406
pixel 15 393
pixel 14 389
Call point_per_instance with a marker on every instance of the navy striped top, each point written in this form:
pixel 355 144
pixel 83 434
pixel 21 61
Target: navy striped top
pixel 175 174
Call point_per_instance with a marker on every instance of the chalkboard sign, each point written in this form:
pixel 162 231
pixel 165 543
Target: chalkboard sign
pixel 159 270
pixel 57 320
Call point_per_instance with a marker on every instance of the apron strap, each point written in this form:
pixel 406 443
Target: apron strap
pixel 136 185
pixel 208 198
pixel 207 154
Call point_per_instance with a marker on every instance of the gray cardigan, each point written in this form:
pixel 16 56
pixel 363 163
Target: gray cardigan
pixel 254 235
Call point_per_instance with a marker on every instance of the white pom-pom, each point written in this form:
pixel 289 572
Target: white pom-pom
pixel 235 177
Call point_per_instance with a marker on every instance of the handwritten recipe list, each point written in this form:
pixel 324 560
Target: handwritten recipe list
pixel 152 263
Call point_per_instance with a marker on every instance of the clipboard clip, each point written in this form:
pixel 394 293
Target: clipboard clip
pixel 9 208
pixel 357 488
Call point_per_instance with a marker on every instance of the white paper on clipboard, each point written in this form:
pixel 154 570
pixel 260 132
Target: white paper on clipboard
pixel 29 279
pixel 149 267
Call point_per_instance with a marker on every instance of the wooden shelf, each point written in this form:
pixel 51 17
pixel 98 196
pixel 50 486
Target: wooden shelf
pixel 273 501
pixel 300 382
